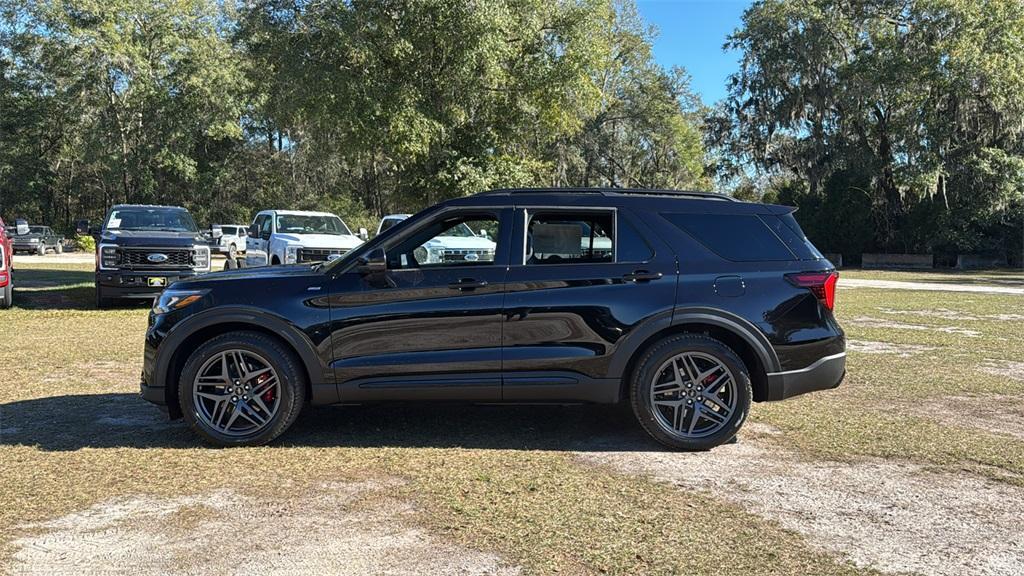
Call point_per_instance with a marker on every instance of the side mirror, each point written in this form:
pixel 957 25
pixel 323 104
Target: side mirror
pixel 82 227
pixel 364 234
pixel 484 234
pixel 374 262
pixel 254 231
pixel 21 226
pixel 216 232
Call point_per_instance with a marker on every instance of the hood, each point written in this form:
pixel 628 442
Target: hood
pixel 243 274
pixel 151 238
pixel 346 242
pixel 461 242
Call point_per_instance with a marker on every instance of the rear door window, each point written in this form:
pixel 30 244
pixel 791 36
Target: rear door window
pixel 736 237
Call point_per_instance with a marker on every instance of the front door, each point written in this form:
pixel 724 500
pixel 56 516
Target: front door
pixel 582 280
pixel 429 326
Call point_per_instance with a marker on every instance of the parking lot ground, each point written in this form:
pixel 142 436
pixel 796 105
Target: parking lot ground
pixel 914 464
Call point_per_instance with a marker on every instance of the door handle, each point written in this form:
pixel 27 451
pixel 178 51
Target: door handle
pixel 641 276
pixel 467 284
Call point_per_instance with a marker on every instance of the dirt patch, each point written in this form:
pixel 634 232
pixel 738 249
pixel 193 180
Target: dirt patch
pixel 872 347
pixel 944 313
pixel 931 286
pixel 999 414
pixel 1007 368
pixel 330 530
pixel 891 516
pixel 869 322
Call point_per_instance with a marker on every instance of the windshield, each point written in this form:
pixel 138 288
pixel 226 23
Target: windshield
pixel 33 230
pixel 301 224
pixel 157 219
pixel 460 231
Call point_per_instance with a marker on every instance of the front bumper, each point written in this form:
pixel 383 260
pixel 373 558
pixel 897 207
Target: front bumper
pixel 824 374
pixel 26 247
pixel 135 283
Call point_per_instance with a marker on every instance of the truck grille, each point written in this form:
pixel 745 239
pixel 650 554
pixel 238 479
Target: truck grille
pixel 138 258
pixel 318 254
pixel 453 255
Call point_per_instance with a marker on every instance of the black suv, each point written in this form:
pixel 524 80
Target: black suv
pixel 140 250
pixel 687 305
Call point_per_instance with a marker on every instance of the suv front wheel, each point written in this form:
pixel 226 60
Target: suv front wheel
pixel 691 392
pixel 241 389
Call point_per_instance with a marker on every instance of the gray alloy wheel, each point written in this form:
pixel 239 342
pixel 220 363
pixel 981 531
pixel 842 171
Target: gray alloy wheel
pixel 236 393
pixel 232 252
pixel 242 389
pixel 693 395
pixel 691 392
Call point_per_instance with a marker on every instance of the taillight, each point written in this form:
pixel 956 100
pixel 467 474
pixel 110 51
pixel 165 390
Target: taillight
pixel 821 284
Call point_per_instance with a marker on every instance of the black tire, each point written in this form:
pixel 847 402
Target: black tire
pixel 103 302
pixel 281 359
pixel 232 252
pixel 653 360
pixel 59 248
pixel 8 295
pixel 274 261
pixel 41 251
pixel 230 264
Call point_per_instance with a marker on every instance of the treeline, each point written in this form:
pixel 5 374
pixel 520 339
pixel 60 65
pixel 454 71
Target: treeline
pixel 895 125
pixel 362 107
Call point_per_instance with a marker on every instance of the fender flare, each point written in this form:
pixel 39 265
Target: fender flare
pixel 680 316
pixel 259 318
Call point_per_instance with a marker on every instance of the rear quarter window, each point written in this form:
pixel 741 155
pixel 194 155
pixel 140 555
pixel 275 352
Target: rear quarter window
pixel 736 237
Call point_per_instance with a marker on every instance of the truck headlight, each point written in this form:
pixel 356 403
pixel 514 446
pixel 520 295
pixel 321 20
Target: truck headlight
pixel 201 258
pixel 170 300
pixel 108 257
pixel 291 254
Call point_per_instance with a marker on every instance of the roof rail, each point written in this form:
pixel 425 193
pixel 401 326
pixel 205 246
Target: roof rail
pixel 611 192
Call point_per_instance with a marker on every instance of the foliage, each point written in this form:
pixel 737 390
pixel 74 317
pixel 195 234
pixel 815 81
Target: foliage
pixel 916 104
pixel 363 107
pixel 85 243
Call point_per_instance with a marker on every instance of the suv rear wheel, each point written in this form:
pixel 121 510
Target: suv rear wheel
pixel 241 389
pixel 691 392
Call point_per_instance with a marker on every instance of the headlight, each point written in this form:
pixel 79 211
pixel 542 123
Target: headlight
pixel 291 254
pixel 435 254
pixel 108 257
pixel 202 258
pixel 171 300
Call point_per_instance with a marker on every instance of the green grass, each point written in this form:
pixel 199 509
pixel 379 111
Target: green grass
pixel 501 479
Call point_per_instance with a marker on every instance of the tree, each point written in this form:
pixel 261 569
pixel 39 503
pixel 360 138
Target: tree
pixel 910 93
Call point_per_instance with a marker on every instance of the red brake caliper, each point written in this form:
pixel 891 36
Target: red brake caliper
pixel 267 396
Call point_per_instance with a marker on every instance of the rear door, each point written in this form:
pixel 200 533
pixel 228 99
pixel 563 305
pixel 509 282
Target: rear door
pixel 581 280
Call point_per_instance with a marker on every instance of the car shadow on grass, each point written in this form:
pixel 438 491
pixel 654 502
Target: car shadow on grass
pixel 64 423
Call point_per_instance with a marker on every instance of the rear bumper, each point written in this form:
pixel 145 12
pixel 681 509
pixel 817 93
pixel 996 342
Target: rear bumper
pixel 824 374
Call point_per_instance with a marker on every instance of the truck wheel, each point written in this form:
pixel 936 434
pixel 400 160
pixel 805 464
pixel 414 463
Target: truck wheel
pixel 41 250
pixel 241 389
pixel 8 295
pixel 59 249
pixel 274 261
pixel 230 264
pixel 102 302
pixel 691 392
pixel 232 252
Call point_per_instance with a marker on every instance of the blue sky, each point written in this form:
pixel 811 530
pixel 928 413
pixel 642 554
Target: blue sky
pixel 691 34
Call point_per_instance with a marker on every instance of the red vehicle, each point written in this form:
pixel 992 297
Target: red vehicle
pixel 6 280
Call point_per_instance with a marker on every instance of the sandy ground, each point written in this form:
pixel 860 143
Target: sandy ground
pixel 940 286
pixel 336 529
pixel 998 414
pixel 891 516
pixel 869 322
pixel 51 258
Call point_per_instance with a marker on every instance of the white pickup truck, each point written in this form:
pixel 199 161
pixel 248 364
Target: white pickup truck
pixel 459 244
pixel 292 237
